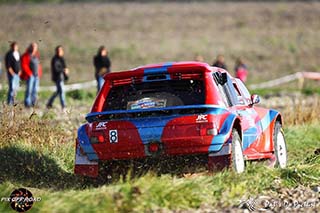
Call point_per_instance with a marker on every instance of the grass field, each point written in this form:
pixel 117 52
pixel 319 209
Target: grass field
pixel 274 38
pixel 41 159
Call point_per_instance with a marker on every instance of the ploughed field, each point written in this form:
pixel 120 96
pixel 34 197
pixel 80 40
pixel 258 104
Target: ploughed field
pixel 274 38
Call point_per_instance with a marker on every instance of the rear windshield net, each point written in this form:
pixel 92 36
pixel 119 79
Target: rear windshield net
pixel 159 94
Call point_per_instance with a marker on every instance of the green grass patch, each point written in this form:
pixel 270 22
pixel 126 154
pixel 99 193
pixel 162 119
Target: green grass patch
pixel 82 95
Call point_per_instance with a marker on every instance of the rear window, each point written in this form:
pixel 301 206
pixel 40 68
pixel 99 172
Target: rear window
pixel 157 94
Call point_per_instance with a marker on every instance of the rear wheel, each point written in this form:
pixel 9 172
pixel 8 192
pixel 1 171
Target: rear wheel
pixel 237 158
pixel 280 147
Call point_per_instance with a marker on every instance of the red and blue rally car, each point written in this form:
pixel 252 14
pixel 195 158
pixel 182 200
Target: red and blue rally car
pixel 171 109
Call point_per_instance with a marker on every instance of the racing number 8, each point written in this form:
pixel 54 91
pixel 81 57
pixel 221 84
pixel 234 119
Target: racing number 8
pixel 113 136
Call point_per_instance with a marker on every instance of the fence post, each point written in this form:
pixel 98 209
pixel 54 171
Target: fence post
pixel 301 83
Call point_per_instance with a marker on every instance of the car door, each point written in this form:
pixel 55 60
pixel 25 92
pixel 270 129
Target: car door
pixel 238 103
pixel 250 119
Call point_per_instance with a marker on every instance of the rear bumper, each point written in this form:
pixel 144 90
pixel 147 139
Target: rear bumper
pixel 162 149
pixel 132 148
pixel 89 168
pixel 211 150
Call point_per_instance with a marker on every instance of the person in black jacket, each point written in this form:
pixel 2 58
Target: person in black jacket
pixel 220 62
pixel 59 73
pixel 102 65
pixel 12 62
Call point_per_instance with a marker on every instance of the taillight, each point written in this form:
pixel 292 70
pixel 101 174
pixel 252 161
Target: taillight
pixel 101 138
pixel 208 129
pixel 153 147
pixel 97 139
pixel 213 131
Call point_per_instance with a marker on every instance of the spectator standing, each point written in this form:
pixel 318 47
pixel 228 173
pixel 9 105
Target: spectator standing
pixel 241 70
pixel 102 65
pixel 31 72
pixel 199 58
pixel 12 63
pixel 59 73
pixel 0 67
pixel 220 62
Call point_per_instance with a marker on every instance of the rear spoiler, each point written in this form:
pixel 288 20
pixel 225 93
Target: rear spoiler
pixel 153 112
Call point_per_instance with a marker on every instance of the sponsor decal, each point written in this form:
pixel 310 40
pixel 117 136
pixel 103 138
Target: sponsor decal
pixel 102 125
pixel 202 118
pixel 147 103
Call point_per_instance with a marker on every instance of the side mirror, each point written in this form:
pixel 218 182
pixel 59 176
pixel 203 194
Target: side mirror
pixel 255 99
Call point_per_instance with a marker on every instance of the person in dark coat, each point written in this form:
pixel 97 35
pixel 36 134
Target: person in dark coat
pixel 12 62
pixel 102 65
pixel 0 67
pixel 220 62
pixel 59 73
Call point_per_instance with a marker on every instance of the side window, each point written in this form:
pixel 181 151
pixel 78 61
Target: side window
pixel 241 99
pixel 221 90
pixel 244 91
pixel 231 93
pixel 227 90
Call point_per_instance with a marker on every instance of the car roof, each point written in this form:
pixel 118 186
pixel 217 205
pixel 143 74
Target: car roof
pixel 166 67
pixel 174 64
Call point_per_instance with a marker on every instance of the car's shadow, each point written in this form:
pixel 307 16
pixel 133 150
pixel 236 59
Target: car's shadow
pixel 32 169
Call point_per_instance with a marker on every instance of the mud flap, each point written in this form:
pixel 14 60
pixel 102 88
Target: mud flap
pixel 83 166
pixel 220 160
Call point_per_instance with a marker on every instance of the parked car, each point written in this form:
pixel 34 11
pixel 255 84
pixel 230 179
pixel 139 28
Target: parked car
pixel 178 109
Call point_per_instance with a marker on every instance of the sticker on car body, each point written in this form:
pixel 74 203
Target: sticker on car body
pixel 147 103
pixel 113 136
pixel 202 118
pixel 101 125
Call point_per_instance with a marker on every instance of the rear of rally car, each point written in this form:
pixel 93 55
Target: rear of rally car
pixel 155 111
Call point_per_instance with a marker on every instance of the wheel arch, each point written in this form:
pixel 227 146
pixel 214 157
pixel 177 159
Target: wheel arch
pixel 271 132
pixel 279 119
pixel 237 126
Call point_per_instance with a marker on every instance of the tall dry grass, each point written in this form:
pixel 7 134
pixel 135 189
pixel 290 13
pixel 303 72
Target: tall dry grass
pixel 296 109
pixel 19 124
pixel 303 112
pixel 41 134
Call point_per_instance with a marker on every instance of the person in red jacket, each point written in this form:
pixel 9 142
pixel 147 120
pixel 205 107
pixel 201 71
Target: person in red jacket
pixel 31 72
pixel 241 70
